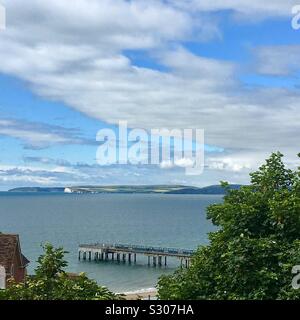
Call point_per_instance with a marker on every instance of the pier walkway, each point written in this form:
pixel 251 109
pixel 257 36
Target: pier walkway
pixel 123 253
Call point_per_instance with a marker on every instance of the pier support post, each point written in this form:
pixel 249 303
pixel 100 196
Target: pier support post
pixel 113 256
pixel 124 257
pixel 148 261
pixel 159 261
pixel 154 261
pixel 129 257
pixel 118 257
pixel 79 255
pixel 84 255
pixel 165 261
pixel 90 255
pixel 135 258
pixel 106 256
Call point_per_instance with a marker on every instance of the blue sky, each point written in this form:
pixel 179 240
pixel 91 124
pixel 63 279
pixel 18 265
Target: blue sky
pixel 228 67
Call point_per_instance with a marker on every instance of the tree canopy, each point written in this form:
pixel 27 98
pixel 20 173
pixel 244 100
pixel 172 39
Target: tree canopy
pixel 51 282
pixel 252 254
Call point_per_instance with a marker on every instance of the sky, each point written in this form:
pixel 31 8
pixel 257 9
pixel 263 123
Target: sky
pixel 69 69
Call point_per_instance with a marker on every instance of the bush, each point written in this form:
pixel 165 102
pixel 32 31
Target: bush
pixel 51 282
pixel 257 243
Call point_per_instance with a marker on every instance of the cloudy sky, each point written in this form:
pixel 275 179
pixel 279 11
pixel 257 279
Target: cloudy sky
pixel 70 68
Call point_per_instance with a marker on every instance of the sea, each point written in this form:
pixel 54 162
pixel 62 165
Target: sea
pixel 67 220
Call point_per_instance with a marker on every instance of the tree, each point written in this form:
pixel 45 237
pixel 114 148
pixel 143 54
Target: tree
pixel 51 282
pixel 252 254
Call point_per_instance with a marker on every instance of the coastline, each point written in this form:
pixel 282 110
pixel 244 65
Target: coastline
pixel 142 294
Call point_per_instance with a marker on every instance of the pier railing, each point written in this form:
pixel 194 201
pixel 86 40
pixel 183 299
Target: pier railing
pixel 104 251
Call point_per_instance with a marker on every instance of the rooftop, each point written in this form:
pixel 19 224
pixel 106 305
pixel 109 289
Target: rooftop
pixel 9 247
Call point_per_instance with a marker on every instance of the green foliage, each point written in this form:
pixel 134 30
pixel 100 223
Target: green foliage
pixel 257 243
pixel 51 282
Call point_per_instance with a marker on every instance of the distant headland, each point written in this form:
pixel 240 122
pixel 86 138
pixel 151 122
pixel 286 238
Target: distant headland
pixel 138 189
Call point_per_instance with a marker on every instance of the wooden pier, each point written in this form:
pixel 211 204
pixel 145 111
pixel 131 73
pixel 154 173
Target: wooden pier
pixel 128 253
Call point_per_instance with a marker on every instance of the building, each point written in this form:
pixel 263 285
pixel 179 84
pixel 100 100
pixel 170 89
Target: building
pixel 12 262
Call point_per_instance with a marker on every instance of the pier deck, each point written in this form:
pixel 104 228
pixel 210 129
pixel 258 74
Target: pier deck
pixel 121 252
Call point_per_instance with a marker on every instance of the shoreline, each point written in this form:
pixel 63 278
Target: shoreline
pixel 143 294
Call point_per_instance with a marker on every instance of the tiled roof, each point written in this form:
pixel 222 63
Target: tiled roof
pixel 9 244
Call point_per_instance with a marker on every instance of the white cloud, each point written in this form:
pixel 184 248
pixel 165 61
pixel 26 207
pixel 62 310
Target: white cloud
pixel 233 164
pixel 181 163
pixel 32 137
pixel 166 165
pixel 10 175
pixel 111 23
pixel 256 9
pixel 37 135
pixel 184 162
pixel 278 60
pixel 74 52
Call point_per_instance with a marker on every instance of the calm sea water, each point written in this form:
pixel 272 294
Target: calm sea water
pixel 67 220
